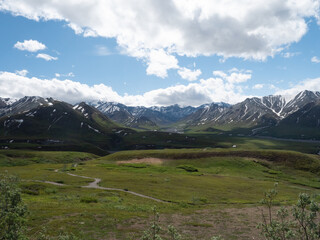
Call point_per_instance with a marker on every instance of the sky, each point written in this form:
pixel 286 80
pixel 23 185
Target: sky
pixel 158 52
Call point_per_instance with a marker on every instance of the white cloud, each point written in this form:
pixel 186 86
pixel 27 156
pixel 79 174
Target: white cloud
pixel 188 74
pixel 219 74
pixel 234 76
pixel 244 28
pixel 258 86
pixel 70 74
pixel 29 45
pixel 86 32
pixel 46 57
pixel 308 84
pixel 206 90
pixel 159 62
pixel 13 85
pixel 315 59
pixel 238 77
pixel 290 54
pixel 78 30
pixel 23 72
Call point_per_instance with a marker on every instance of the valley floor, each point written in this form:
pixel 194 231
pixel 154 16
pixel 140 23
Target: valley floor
pixel 202 192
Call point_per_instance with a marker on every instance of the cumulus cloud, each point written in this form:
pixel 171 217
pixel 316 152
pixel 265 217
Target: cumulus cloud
pixel 23 72
pixel 188 74
pixel 29 45
pixel 290 54
pixel 222 87
pixel 16 86
pixel 46 57
pixel 70 74
pixel 258 86
pixel 315 59
pixel 145 28
pixel 159 62
pixel 308 84
pixel 234 76
pixel 215 89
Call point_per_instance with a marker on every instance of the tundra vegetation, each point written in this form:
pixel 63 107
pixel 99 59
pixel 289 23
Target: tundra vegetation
pixel 202 193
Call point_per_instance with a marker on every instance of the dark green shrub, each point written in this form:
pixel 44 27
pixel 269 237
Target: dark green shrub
pixel 88 200
pixel 188 168
pixel 50 190
pixel 32 189
pixel 12 209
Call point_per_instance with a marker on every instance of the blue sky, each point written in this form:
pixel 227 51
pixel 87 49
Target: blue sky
pixel 189 63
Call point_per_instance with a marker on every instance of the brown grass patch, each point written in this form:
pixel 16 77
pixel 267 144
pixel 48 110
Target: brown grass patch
pixel 153 161
pixel 231 223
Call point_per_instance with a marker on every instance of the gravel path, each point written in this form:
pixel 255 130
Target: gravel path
pixel 95 185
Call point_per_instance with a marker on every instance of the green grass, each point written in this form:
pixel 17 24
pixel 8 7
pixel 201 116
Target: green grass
pixel 291 159
pixel 244 142
pixel 218 180
pixel 26 157
pixel 225 178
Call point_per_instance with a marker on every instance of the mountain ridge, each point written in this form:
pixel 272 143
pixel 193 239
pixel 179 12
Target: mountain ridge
pixel 254 115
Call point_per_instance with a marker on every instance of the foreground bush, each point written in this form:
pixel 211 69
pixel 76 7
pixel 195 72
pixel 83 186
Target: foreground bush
pixel 155 232
pixel 12 209
pixel 303 224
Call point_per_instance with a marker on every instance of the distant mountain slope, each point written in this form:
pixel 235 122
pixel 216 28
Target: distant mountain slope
pixel 60 123
pixel 300 100
pixel 250 112
pixel 304 123
pixel 141 122
pixel 5 102
pixel 253 113
pixel 94 115
pixel 105 125
pixel 56 125
pixel 205 113
pixel 152 117
pixel 115 111
pixel 307 116
pixel 252 116
pixel 24 104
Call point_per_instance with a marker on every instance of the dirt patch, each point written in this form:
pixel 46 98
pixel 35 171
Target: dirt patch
pixel 153 161
pixel 231 223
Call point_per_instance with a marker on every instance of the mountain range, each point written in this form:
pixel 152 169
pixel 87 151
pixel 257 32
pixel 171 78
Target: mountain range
pixel 253 116
pixel 109 125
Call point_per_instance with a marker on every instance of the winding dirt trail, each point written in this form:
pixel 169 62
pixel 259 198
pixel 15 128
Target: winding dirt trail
pixel 95 185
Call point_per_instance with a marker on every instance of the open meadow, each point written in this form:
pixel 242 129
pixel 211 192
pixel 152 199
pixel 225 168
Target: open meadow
pixel 202 192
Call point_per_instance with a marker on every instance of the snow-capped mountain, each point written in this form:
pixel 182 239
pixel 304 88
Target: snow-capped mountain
pixel 268 110
pixel 283 108
pixel 300 100
pixel 54 123
pixel 307 116
pixel 6 101
pixel 11 107
pixel 206 113
pixel 253 114
pixel 263 111
pixel 153 116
